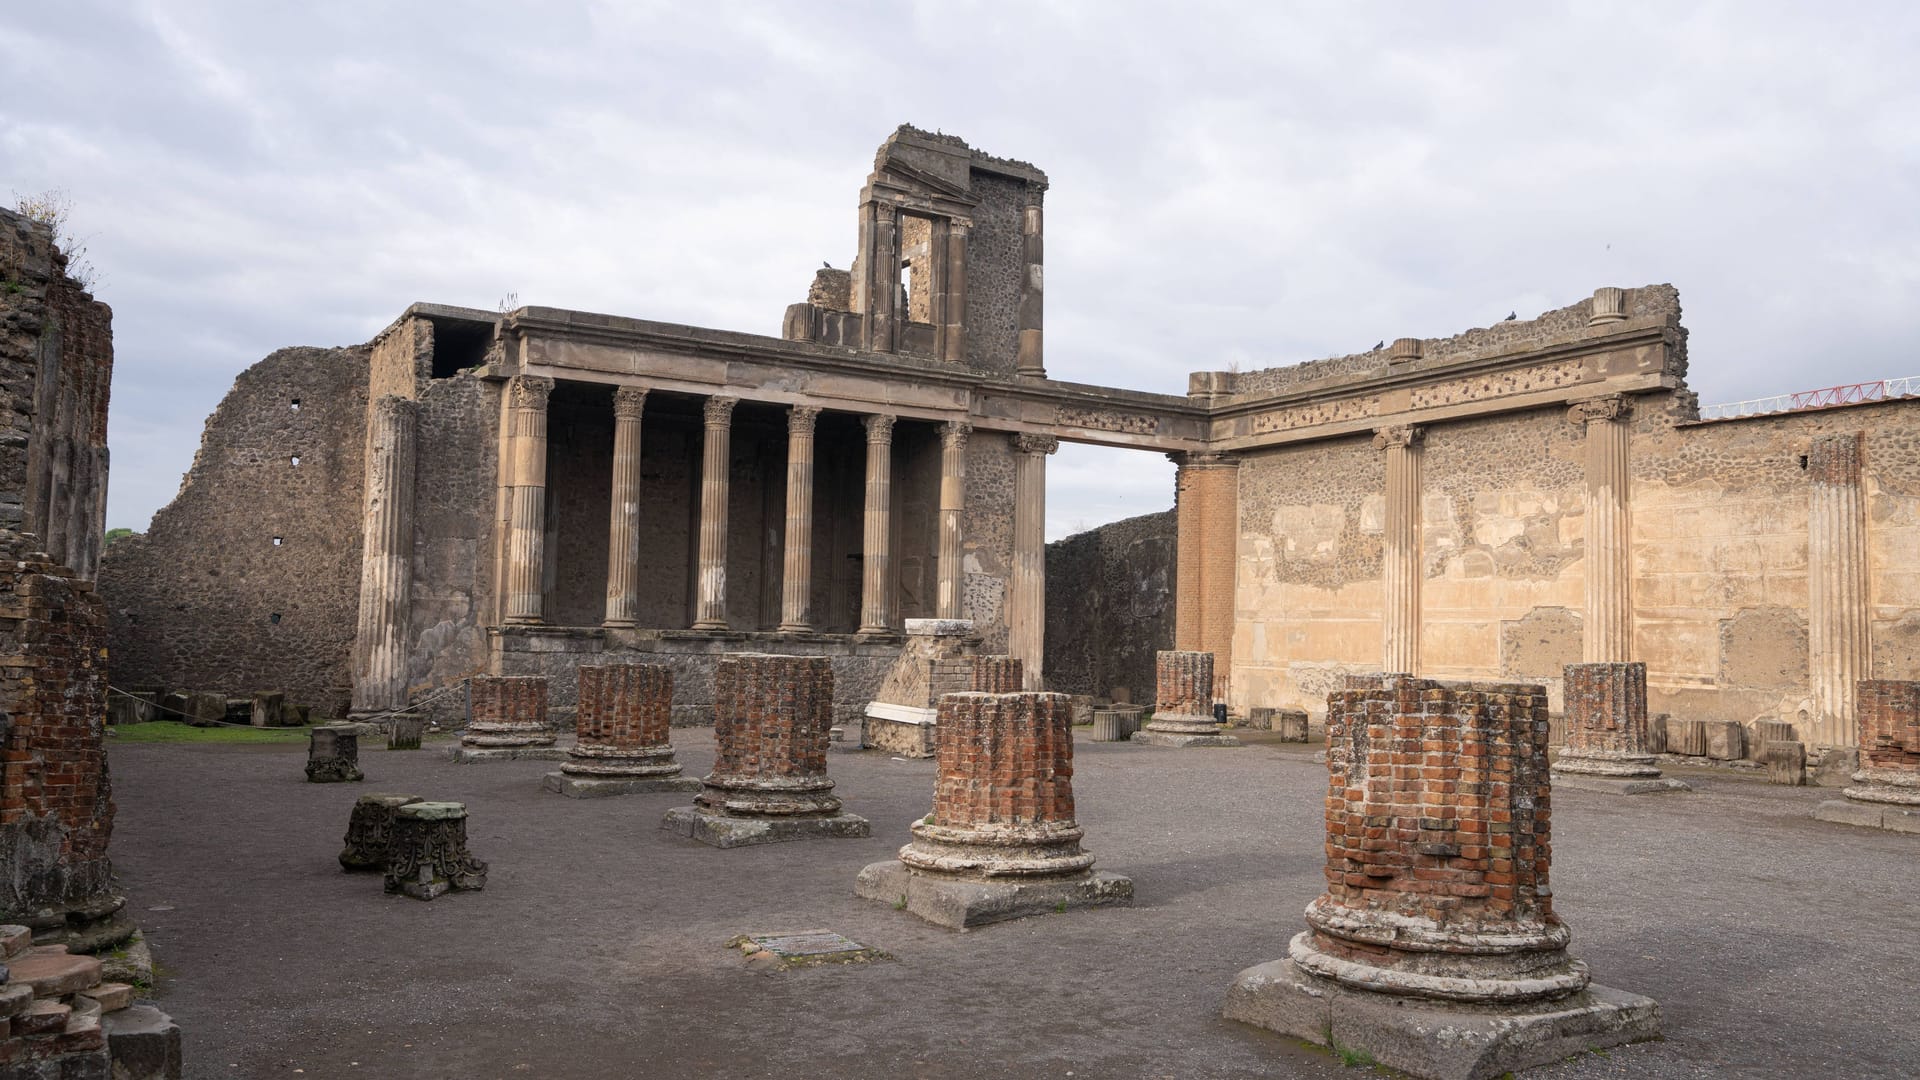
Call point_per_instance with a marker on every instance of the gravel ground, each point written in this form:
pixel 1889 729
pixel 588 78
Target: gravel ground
pixel 1777 946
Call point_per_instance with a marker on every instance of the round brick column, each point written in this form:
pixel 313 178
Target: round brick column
pixel 996 675
pixel 1607 721
pixel 507 711
pixel 1889 724
pixel 770 721
pixel 624 714
pixel 1183 697
pixel 1003 803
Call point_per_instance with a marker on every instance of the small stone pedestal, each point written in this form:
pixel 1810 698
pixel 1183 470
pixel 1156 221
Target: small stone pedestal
pixel 769 783
pixel 1607 748
pixel 937 659
pixel 1886 791
pixel 1183 711
pixel 405 730
pixel 369 831
pixel 333 754
pixel 427 855
pixel 622 746
pixel 1001 842
pixel 507 720
pixel 1435 947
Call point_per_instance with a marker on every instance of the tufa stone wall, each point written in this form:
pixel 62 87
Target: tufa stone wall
pixel 1110 606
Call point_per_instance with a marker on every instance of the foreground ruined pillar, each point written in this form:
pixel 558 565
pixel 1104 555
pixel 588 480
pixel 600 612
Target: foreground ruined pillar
pixel 506 720
pixel 527 497
pixel 1609 572
pixel 1027 595
pixel 1400 631
pixel 1838 616
pixel 769 783
pixel 1438 917
pixel 1183 703
pixel 710 610
pixel 953 505
pixel 796 582
pixel 386 558
pixel 625 711
pixel 1886 791
pixel 1607 747
pixel 623 525
pixel 876 564
pixel 1001 842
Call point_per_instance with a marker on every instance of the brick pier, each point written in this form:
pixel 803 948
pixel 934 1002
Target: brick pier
pixel 1183 703
pixel 1438 913
pixel 1886 791
pixel 622 747
pixel 507 720
pixel 1607 748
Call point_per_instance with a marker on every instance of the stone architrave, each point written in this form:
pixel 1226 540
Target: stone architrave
pixel 622 747
pixel 370 829
pixel 427 855
pixel 1886 791
pixel 1436 948
pixel 771 721
pixel 333 754
pixel 1607 732
pixel 1183 703
pixel 507 720
pixel 1001 842
pixel 937 659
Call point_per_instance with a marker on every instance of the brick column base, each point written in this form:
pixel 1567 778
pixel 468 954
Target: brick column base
pixel 1607 747
pixel 1886 791
pixel 506 719
pixel 1183 709
pixel 621 745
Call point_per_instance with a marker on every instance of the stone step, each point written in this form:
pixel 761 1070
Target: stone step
pixel 112 996
pixel 53 972
pixel 15 940
pixel 45 1017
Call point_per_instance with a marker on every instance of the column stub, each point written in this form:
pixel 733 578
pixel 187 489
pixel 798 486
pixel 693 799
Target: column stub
pixel 716 465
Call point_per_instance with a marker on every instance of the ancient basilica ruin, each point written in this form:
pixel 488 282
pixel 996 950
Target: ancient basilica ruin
pixel 1480 568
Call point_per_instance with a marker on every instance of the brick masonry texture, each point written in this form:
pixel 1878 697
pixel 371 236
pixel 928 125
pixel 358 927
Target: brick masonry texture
pixel 1606 708
pixel 995 675
pixel 1110 606
pixel 772 717
pixel 1004 759
pixel 624 707
pixel 1890 730
pixel 1184 684
pixel 508 707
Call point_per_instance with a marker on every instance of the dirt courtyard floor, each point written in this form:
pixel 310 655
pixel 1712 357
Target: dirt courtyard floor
pixel 1777 946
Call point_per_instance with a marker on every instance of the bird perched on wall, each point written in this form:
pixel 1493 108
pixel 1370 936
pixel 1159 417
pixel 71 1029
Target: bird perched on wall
pixel 1511 315
pixel 826 264
pixel 1381 344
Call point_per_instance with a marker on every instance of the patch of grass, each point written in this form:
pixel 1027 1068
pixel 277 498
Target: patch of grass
pixel 172 731
pixel 900 904
pixel 1352 1057
pixel 1060 908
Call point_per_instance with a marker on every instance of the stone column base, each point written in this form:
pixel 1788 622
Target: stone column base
pixel 723 831
pixel 595 787
pixel 963 903
pixel 1619 785
pixel 1636 766
pixel 472 755
pixel 1894 817
pixel 1170 738
pixel 1442 1041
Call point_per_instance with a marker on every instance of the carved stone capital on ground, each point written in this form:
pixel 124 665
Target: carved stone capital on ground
pixel 1401 435
pixel 1611 407
pixel 629 402
pixel 529 391
pixel 719 411
pixel 1026 442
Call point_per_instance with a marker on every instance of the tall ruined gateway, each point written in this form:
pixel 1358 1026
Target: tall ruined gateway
pixel 516 493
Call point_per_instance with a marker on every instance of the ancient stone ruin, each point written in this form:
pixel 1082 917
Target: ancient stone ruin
pixel 1436 948
pixel 937 659
pixel 1607 732
pixel 622 745
pixel 333 754
pixel 370 831
pixel 769 781
pixel 1183 713
pixel 427 851
pixel 508 719
pixel 1886 791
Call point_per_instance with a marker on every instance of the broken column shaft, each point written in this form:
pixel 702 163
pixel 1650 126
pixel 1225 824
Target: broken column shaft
pixel 1607 731
pixel 1183 702
pixel 622 746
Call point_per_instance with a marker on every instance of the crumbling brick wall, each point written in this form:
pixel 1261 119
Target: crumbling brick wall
pixel 1110 606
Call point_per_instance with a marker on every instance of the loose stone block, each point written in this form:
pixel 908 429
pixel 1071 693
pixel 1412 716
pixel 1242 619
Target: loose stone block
pixel 405 730
pixel 427 855
pixel 1436 948
pixel 1726 740
pixel 1886 791
pixel 1001 842
pixel 1183 713
pixel 1291 724
pixel 333 753
pixel 1260 718
pixel 1111 725
pixel 205 709
pixel 1769 731
pixel 1657 733
pixel 266 708
pixel 370 830
pixel 623 745
pixel 507 719
pixel 144 1042
pixel 1606 726
pixel 769 781
pixel 1786 762
pixel 1688 737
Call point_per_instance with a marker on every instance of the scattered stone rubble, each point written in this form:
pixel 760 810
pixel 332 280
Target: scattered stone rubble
pixel 60 1021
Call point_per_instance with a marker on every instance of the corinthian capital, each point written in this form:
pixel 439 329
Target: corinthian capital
pixel 1611 407
pixel 879 428
pixel 629 402
pixel 801 418
pixel 1029 443
pixel 720 411
pixel 953 434
pixel 529 391
pixel 1401 435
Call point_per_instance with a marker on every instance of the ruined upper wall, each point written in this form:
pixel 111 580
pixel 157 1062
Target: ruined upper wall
pixel 1110 606
pixel 56 369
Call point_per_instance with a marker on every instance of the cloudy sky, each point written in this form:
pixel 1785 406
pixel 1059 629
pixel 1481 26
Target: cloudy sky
pixel 1251 184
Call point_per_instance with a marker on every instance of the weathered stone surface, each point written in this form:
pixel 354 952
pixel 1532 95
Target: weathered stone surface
pixel 370 830
pixel 1688 737
pixel 963 904
pixel 145 1044
pixel 53 972
pixel 937 659
pixel 1726 740
pixel 405 730
pixel 1291 724
pixel 333 754
pixel 592 787
pixel 427 856
pixel 1786 762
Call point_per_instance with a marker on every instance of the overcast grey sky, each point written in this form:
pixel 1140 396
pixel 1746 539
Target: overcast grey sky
pixel 1257 183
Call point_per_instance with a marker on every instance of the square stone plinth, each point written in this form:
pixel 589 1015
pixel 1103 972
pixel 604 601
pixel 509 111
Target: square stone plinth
pixel 1620 785
pixel 964 904
pixel 475 755
pixel 1164 738
pixel 598 787
pixel 722 831
pixel 1436 1040
pixel 1890 816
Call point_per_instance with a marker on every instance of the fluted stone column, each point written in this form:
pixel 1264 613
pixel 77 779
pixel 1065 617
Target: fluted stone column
pixel 1838 617
pixel 386 559
pixel 1400 652
pixel 1031 362
pixel 796 582
pixel 1609 572
pixel 953 504
pixel 710 611
pixel 527 498
pixel 623 537
pixel 876 563
pixel 1027 599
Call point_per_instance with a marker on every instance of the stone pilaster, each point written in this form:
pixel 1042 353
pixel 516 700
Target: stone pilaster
pixel 796 581
pixel 1838 618
pixel 1609 569
pixel 1438 913
pixel 876 562
pixel 386 557
pixel 1031 363
pixel 623 526
pixel 710 609
pixel 1027 595
pixel 1183 702
pixel 622 724
pixel 1001 842
pixel 1400 619
pixel 527 498
pixel 953 504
